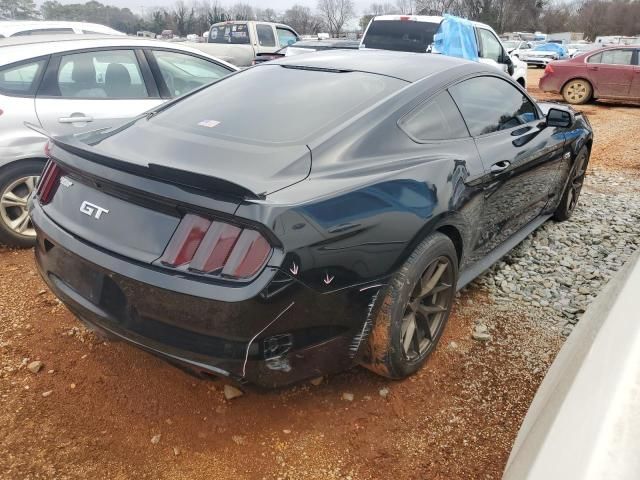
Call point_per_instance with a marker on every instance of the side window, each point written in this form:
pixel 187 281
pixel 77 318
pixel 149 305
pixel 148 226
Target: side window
pixel 617 57
pixel 265 35
pixel 101 74
pixel 436 119
pixel 20 79
pixel 286 36
pixel 182 72
pixel 489 104
pixel 491 47
pixel 597 58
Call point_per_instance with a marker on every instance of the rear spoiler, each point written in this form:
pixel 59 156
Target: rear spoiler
pixel 174 176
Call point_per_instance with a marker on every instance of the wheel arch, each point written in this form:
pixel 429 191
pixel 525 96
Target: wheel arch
pixel 449 225
pixel 17 161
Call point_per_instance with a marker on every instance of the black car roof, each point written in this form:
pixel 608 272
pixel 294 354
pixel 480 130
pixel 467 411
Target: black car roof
pixel 407 66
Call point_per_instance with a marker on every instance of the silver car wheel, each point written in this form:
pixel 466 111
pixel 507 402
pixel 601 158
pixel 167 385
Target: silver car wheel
pixel 13 205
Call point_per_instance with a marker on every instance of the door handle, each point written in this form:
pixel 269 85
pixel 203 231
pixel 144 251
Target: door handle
pixel 592 68
pixel 73 119
pixel 500 166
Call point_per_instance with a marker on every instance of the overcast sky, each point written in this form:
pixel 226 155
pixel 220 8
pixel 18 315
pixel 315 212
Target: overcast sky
pixel 279 5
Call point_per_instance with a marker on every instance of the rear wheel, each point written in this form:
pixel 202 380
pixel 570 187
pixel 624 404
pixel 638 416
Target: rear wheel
pixel 410 314
pixel 577 91
pixel 17 182
pixel 574 187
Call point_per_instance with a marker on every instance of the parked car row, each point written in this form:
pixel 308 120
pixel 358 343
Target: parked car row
pixel 204 232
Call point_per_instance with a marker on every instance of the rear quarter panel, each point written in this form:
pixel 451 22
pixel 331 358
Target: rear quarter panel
pixel 18 142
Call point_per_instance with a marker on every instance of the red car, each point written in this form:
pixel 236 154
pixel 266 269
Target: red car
pixel 610 72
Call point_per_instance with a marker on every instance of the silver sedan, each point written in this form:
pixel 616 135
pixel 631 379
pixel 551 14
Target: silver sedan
pixel 71 84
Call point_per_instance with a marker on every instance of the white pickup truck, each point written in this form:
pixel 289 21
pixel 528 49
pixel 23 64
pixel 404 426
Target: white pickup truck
pixel 415 33
pixel 238 42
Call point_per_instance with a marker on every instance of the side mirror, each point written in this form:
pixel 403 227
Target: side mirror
pixel 559 118
pixel 506 59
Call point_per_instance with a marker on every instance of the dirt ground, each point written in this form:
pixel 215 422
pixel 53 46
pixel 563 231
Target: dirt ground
pixel 94 408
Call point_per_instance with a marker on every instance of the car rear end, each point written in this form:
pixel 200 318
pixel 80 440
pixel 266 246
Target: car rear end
pixel 558 73
pixel 176 273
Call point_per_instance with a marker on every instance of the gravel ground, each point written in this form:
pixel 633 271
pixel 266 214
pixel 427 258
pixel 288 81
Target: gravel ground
pixel 95 409
pixel 560 269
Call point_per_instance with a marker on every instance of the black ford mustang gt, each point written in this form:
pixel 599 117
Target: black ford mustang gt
pixel 304 215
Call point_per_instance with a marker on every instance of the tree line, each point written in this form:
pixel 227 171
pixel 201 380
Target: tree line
pixel 593 17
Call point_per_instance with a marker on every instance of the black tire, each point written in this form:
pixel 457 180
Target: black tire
pixel 8 176
pixel 572 190
pixel 386 353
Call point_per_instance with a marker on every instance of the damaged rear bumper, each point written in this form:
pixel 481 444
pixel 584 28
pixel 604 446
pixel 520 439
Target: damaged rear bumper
pixel 272 332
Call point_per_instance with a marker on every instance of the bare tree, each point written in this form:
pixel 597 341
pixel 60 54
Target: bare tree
pixel 303 20
pixel 406 6
pixel 336 13
pixel 382 8
pixel 242 11
pixel 267 15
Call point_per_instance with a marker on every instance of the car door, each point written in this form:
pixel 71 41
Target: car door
pixel 266 36
pixel 611 72
pixel 180 72
pixel 88 90
pixel 522 158
pixel 490 49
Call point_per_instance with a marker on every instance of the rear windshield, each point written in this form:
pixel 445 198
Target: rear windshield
pixel 399 35
pixel 236 33
pixel 285 105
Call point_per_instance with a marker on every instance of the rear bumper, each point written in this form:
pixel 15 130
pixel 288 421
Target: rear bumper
pixel 274 332
pixel 548 83
pixel 537 60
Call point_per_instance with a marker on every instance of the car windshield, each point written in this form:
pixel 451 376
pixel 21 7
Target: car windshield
pixel 280 104
pixel 236 33
pixel 404 36
pixel 511 44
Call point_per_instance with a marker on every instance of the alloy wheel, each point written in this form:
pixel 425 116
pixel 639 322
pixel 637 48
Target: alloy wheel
pixel 577 91
pixel 576 184
pixel 427 308
pixel 13 205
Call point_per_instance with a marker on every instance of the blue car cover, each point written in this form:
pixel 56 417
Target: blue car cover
pixel 456 37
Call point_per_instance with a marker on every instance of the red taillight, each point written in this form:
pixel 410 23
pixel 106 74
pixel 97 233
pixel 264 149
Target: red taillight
pixel 548 68
pixel 405 18
pixel 49 182
pixel 248 256
pixel 216 248
pixel 185 241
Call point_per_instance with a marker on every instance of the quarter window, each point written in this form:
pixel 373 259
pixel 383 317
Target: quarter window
pixel 436 119
pixel 20 79
pixel 266 38
pixel 182 73
pixel 491 47
pixel 286 37
pixel 101 74
pixel 489 104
